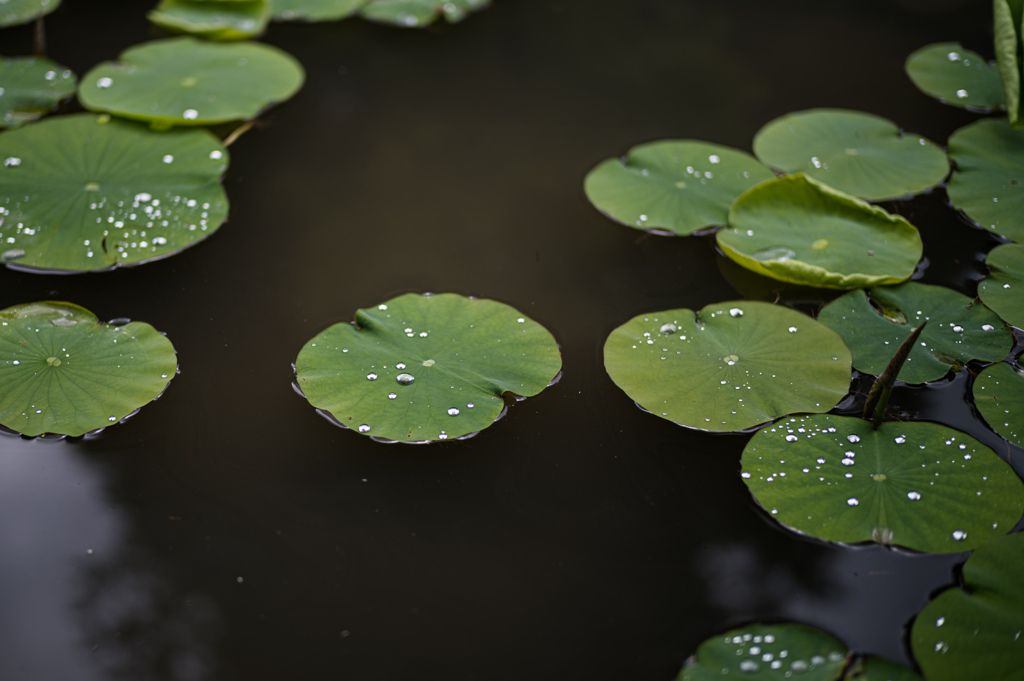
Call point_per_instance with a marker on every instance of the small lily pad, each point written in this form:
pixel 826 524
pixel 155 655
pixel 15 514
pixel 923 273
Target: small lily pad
pixel 682 186
pixel 855 152
pixel 919 485
pixel 420 13
pixel 999 395
pixel 314 10
pixel 729 367
pixel 420 368
pixel 798 230
pixel 988 183
pixel 974 632
pixel 879 669
pixel 1003 289
pixel 1008 17
pixel 30 88
pixel 958 329
pixel 126 195
pixel 956 76
pixel 187 81
pixel 213 20
pixel 62 371
pixel 13 12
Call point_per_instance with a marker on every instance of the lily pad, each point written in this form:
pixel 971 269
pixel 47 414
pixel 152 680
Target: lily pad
pixel 30 88
pixel 958 329
pixel 974 632
pixel 86 192
pixel 988 183
pixel 999 395
pixel 855 152
pixel 879 669
pixel 187 81
pixel 1009 43
pixel 956 76
pixel 798 230
pixel 420 13
pixel 682 186
pixel 1003 289
pixel 731 366
pixel 426 367
pixel 224 20
pixel 13 12
pixel 314 10
pixel 919 485
pixel 63 371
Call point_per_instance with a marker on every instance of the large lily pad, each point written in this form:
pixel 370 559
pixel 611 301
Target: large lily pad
pixel 974 632
pixel 999 395
pixel 87 192
pixel 681 186
pixel 419 13
pixel 798 230
pixel 919 485
pixel 855 152
pixel 1009 43
pixel 31 87
pixel 186 81
pixel 13 12
pixel 314 10
pixel 223 20
pixel 729 367
pixel 988 183
pixel 426 367
pixel 64 372
pixel 956 76
pixel 958 329
pixel 1003 289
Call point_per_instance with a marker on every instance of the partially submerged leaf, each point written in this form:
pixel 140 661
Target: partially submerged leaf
pixel 956 76
pixel 999 395
pixel 1009 44
pixel 420 13
pixel 314 10
pixel 878 669
pixel 1003 289
pixel 988 183
pixel 30 88
pixel 212 19
pixel 13 12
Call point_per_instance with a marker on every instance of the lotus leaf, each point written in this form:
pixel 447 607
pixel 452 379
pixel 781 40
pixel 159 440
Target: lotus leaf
pixel 857 153
pixel 1003 289
pixel 920 485
pixel 187 81
pixel 988 183
pixel 13 12
pixel 974 632
pixel 426 367
pixel 878 669
pixel 801 231
pixel 419 13
pixel 999 396
pixel 223 20
pixel 731 366
pixel 315 10
pixel 30 87
pixel 1009 44
pixel 86 192
pixel 958 329
pixel 63 371
pixel 956 76
pixel 681 186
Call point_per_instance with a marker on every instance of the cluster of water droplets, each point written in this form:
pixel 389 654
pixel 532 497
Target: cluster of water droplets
pixel 758 653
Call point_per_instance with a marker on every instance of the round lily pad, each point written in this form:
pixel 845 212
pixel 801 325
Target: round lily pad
pixel 801 231
pixel 87 192
pixel 974 632
pixel 855 152
pixel 958 330
pixel 956 76
pixel 426 367
pixel 680 186
pixel 223 20
pixel 314 10
pixel 30 88
pixel 62 371
pixel 729 367
pixel 187 81
pixel 999 395
pixel 1003 289
pixel 419 13
pixel 919 485
pixel 988 183
pixel 13 12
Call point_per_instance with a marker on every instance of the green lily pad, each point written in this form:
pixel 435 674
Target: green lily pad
pixel 919 485
pixel 988 183
pixel 974 632
pixel 999 395
pixel 13 12
pixel 682 186
pixel 879 669
pixel 731 366
pixel 314 10
pixel 420 13
pixel 187 81
pixel 1009 43
pixel 956 76
pixel 855 152
pixel 958 329
pixel 30 88
pixel 420 368
pixel 801 231
pixel 224 20
pixel 86 192
pixel 1003 289
pixel 63 371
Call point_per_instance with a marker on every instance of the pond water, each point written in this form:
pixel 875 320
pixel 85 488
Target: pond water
pixel 229 532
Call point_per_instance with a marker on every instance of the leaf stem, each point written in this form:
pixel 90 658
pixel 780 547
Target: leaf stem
pixel 40 38
pixel 878 396
pixel 238 132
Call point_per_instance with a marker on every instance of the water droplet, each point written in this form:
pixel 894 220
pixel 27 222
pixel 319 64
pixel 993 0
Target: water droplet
pixel 731 359
pixel 392 396
pixel 959 535
pixel 363 428
pixel 914 496
pixel 371 377
pixel 954 56
pixel 111 418
pixel 745 475
pixel 847 461
pixel 961 93
pixel 815 162
pixel 852 501
pixel 12 161
pixel 470 405
pixel 791 438
pixel 400 365
pixel 853 438
pixel 190 114
pixel 453 412
pixel 405 379
pixel 958 329
pixel 11 255
pixel 735 312
pixel 900 439
pixel 780 254
pixel 668 328
pixel 749 666
pixel 792 329
pixel 168 159
pixel 799 666
pixel 939 622
pixel 382 307
pixel 216 154
pixel 988 327
pixel 104 82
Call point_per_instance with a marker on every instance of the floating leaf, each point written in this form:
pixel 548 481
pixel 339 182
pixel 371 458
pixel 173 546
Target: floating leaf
pixel 999 395
pixel 988 183
pixel 1003 289
pixel 64 372
pixel 878 669
pixel 186 81
pixel 421 367
pixel 956 76
pixel 419 13
pixel 682 186
pixel 801 231
pixel 13 12
pixel 314 10
pixel 919 485
pixel 974 632
pixel 855 152
pixel 958 329
pixel 1009 44
pixel 225 20
pixel 729 367
pixel 30 87
pixel 87 192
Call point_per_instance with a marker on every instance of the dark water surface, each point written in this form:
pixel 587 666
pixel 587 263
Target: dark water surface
pixel 228 532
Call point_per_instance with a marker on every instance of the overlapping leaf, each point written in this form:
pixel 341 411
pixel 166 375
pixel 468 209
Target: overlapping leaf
pixel 314 10
pixel 999 395
pixel 1003 289
pixel 420 13
pixel 212 19
pixel 30 88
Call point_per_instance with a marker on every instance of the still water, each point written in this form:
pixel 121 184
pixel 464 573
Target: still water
pixel 228 532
